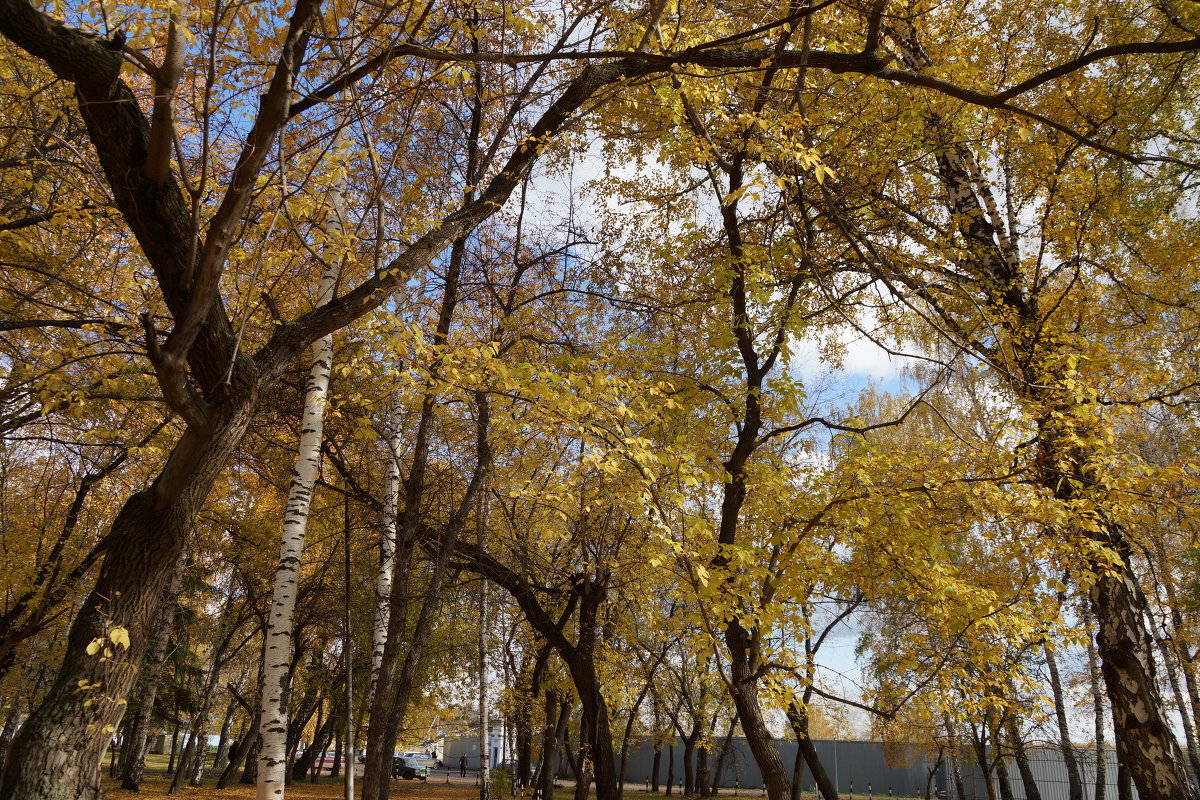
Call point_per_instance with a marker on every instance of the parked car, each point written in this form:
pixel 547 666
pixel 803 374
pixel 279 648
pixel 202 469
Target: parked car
pixel 413 757
pixel 403 768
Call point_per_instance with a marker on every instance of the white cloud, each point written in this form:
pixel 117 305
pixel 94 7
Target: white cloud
pixel 816 358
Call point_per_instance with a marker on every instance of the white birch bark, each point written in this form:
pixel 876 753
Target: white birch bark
pixel 277 642
pixel 387 540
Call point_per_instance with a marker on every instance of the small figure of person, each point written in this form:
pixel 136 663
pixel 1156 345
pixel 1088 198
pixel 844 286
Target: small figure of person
pixel 462 766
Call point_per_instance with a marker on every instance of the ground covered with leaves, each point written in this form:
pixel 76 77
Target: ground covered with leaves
pixel 155 788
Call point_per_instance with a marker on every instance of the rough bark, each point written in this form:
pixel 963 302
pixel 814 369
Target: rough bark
pixel 57 754
pixel 993 274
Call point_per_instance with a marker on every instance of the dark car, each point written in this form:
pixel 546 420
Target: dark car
pixel 403 768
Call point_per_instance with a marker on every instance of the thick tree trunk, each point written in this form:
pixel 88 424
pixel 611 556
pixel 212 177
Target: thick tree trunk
pixel 57 753
pixel 597 748
pixel 1127 663
pixel 1168 655
pixel 758 737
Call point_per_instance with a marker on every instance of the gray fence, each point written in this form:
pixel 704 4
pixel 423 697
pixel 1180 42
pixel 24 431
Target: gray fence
pixel 1049 772
pixel 854 767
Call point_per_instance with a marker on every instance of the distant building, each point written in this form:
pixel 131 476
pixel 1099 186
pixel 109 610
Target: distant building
pixel 456 747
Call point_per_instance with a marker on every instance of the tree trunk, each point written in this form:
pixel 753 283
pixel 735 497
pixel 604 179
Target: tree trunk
pixel 628 734
pixel 1074 783
pixel 250 772
pixel 583 763
pixel 387 540
pixel 57 753
pixel 8 732
pixel 597 748
pixel 986 767
pixel 174 747
pixel 312 754
pixel 388 708
pixel 722 756
pixel 655 767
pixel 277 641
pixel 1168 660
pixel 670 767
pixel 689 753
pixel 1003 781
pixel 222 755
pixel 1022 759
pixel 554 728
pixel 485 724
pixel 1127 663
pixel 798 717
pixel 758 737
pixel 1098 704
pixel 237 755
